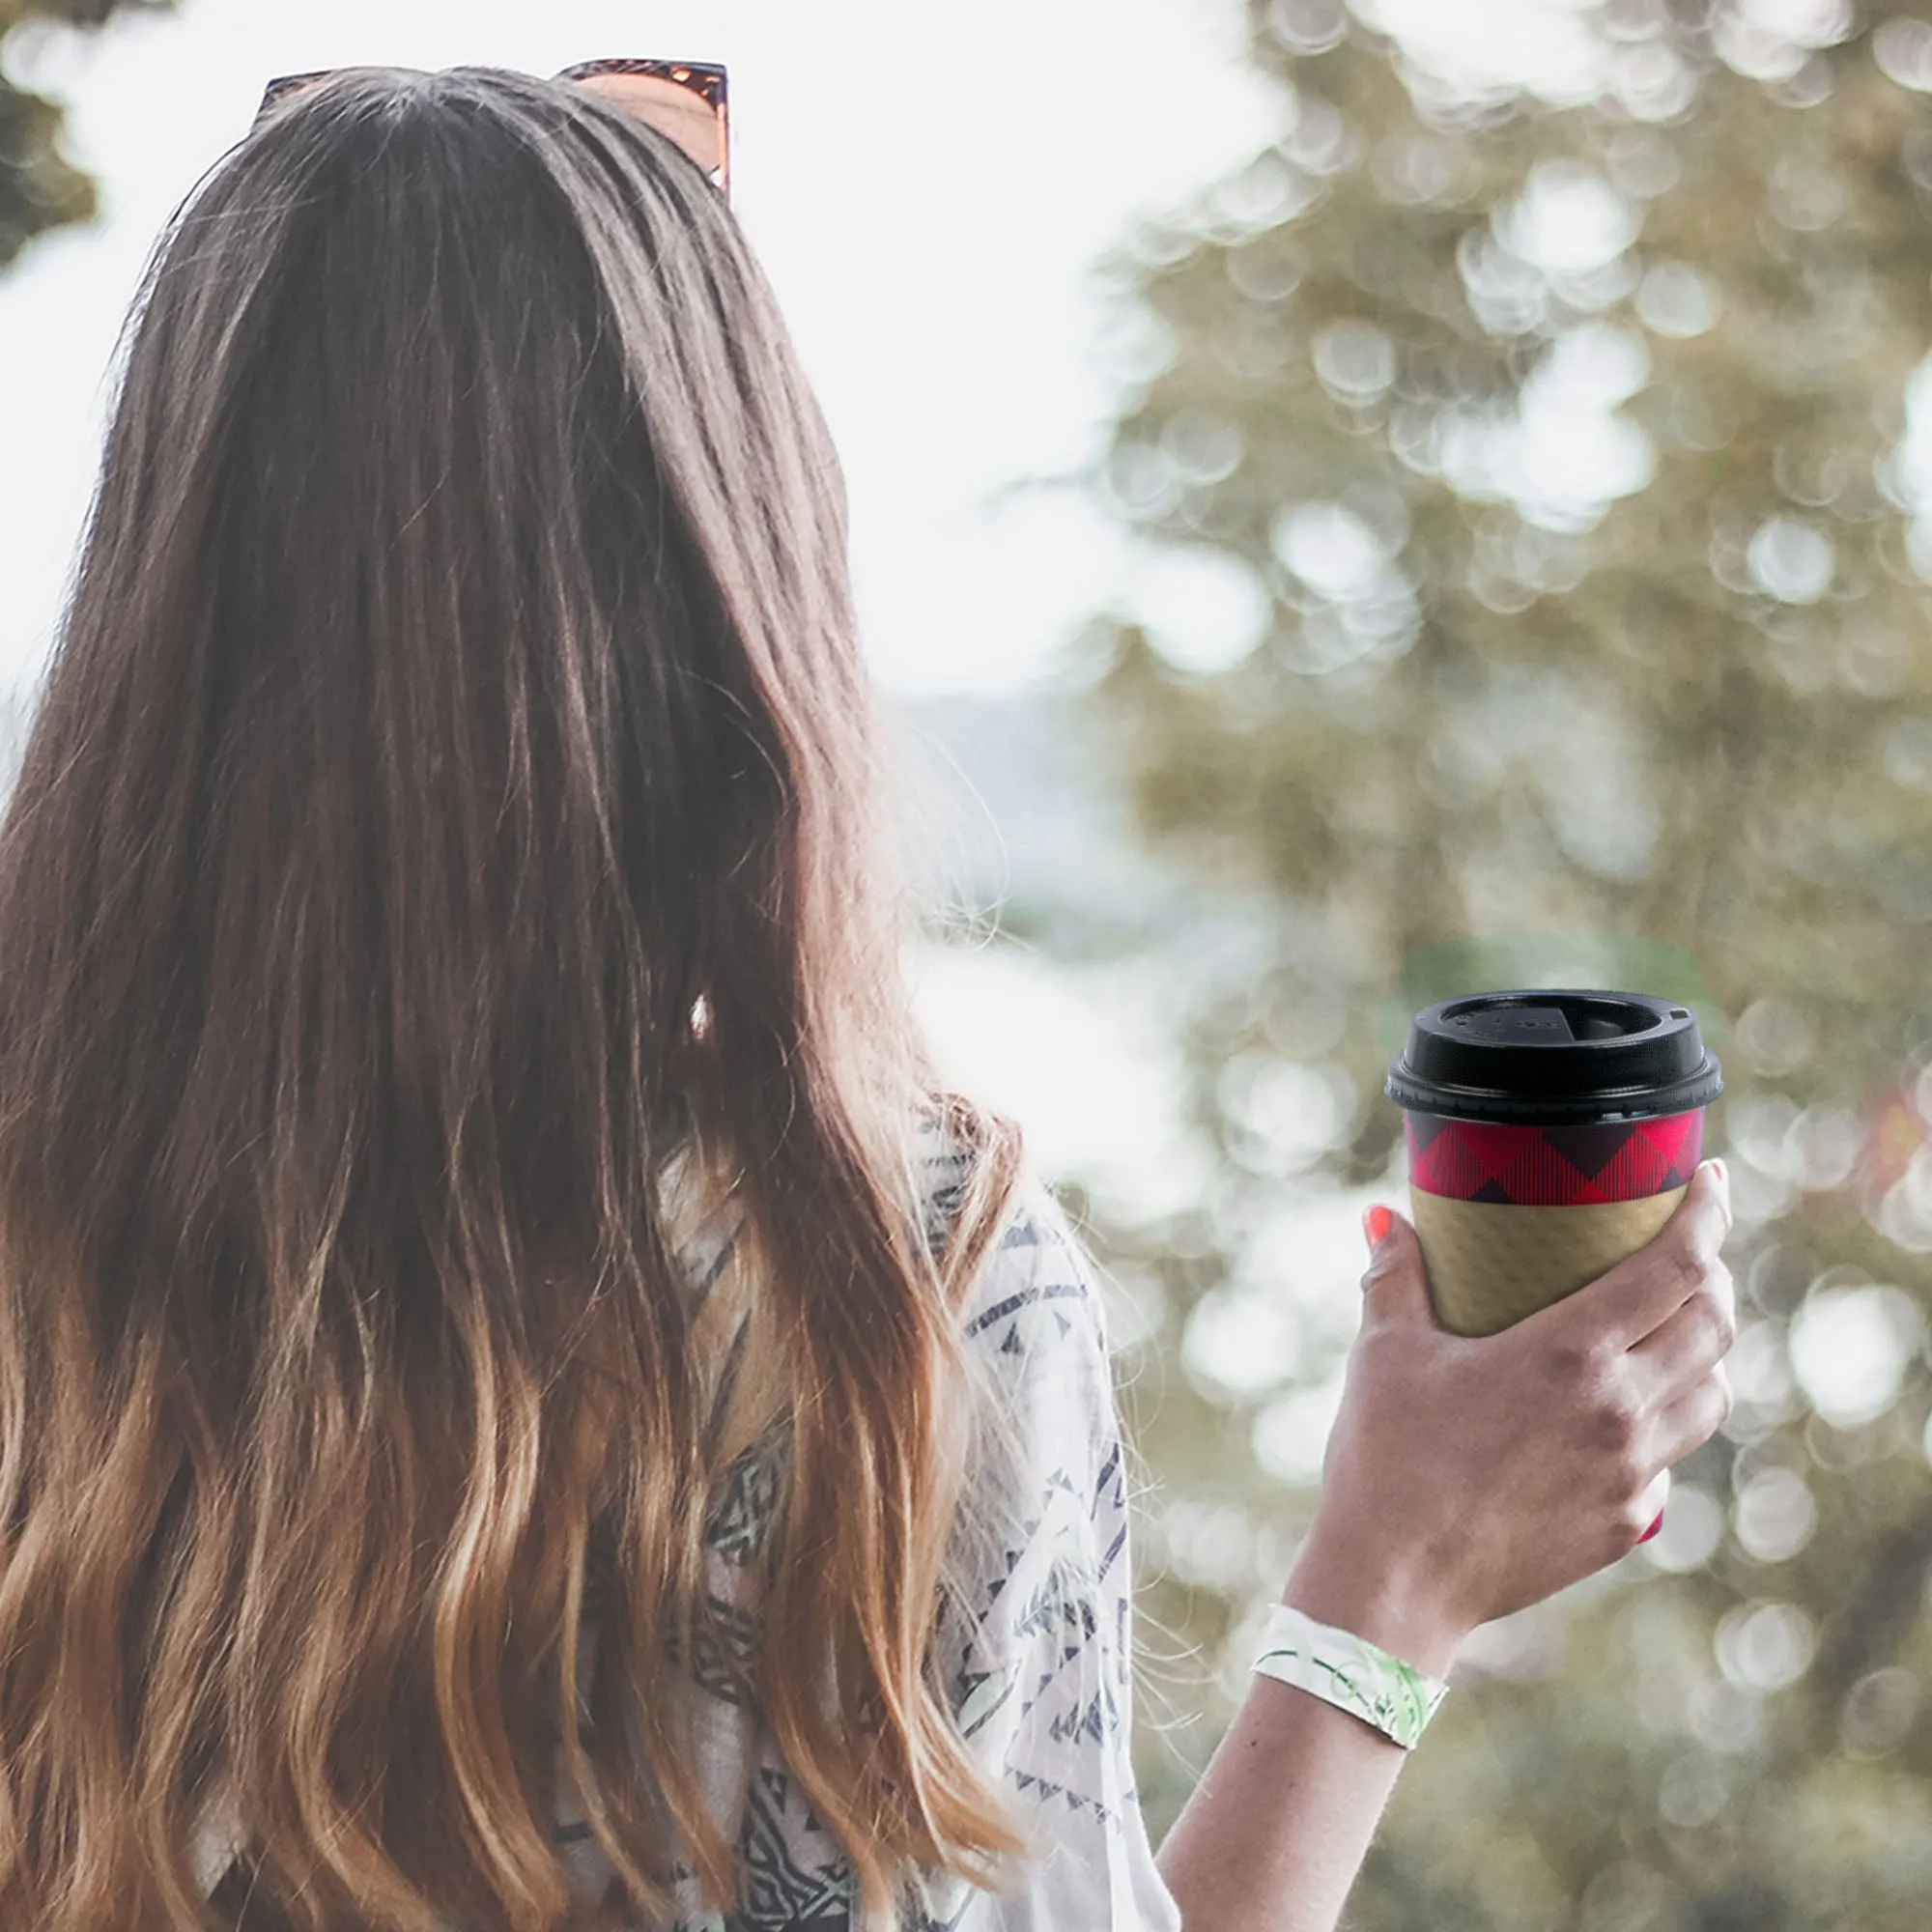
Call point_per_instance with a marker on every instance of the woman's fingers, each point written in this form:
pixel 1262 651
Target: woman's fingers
pixel 1644 1290
pixel 1679 1370
pixel 1699 1334
pixel 1690 1418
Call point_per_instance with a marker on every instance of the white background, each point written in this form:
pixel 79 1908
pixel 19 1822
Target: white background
pixel 927 190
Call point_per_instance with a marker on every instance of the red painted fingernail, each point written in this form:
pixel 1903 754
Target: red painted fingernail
pixel 1653 1530
pixel 1375 1223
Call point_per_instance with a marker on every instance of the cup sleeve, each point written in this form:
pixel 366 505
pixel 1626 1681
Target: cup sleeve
pixel 1043 1681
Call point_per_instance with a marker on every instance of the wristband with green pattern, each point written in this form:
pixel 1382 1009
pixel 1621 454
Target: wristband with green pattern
pixel 1350 1673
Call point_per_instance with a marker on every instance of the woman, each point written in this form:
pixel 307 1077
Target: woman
pixel 525 1404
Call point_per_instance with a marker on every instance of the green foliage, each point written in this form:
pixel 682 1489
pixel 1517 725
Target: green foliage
pixel 1565 445
pixel 40 187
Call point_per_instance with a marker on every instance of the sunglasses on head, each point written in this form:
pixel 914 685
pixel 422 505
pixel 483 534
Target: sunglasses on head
pixel 683 99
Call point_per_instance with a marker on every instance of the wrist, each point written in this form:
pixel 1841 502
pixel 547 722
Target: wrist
pixel 1339 1581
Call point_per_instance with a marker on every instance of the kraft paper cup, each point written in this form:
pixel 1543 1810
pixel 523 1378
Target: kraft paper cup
pixel 1552 1133
pixel 1512 1218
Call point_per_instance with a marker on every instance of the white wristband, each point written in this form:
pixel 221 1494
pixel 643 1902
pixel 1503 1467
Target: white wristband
pixel 1350 1673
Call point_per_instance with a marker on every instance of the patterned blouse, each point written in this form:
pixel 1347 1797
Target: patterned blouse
pixel 1040 1672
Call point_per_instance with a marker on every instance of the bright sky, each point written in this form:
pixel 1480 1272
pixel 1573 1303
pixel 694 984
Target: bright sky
pixel 926 199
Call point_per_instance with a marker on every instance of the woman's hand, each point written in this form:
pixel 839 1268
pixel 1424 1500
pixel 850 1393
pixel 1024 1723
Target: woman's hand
pixel 1468 1477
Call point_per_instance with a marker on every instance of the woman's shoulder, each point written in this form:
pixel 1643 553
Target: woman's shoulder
pixel 1035 1286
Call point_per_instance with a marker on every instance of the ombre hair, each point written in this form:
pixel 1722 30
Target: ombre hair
pixel 453 801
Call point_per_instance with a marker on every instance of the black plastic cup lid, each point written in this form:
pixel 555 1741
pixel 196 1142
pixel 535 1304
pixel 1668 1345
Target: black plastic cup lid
pixel 1554 1055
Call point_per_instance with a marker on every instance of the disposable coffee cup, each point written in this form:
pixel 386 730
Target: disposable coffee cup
pixel 1551 1134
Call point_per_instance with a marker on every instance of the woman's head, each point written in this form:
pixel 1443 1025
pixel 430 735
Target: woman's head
pixel 453 785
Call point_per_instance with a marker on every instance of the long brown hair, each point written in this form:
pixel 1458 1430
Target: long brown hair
pixel 452 793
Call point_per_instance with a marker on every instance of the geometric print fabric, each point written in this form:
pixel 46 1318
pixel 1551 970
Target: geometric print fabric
pixel 1037 1659
pixel 1527 1166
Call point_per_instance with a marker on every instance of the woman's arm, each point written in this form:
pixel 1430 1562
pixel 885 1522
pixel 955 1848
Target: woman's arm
pixel 1465 1478
pixel 1275 1831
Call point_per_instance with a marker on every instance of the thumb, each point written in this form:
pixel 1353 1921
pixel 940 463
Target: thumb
pixel 1396 1285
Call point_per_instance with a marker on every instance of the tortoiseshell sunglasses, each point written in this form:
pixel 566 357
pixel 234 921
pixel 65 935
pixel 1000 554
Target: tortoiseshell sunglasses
pixel 684 99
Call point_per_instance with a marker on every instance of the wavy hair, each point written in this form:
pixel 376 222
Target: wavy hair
pixel 453 801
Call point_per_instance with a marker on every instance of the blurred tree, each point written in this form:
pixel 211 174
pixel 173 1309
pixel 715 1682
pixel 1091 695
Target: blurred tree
pixel 1573 453
pixel 40 187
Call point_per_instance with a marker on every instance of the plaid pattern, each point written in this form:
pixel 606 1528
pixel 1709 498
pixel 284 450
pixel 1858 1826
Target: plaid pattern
pixel 1553 1167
